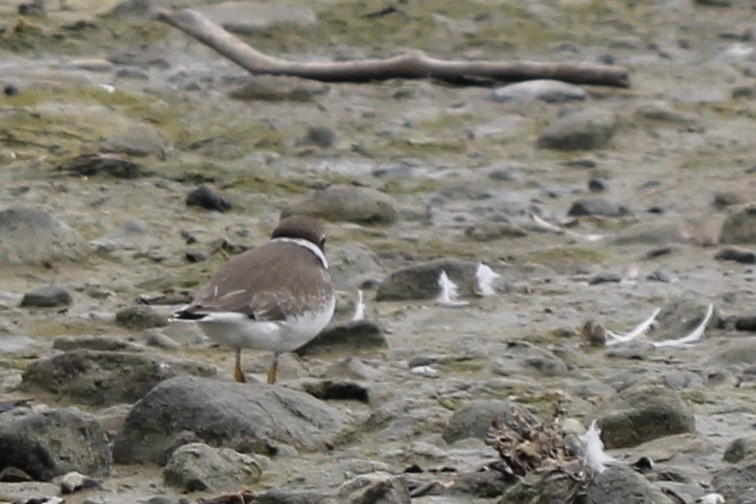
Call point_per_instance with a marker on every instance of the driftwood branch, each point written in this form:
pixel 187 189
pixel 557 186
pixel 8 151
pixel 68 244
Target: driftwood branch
pixel 414 65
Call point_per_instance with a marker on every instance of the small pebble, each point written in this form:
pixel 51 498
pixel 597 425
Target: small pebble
pixel 737 255
pixel 746 323
pixel 596 185
pixel 10 90
pixel 47 297
pixel 320 136
pixel 657 252
pixel 604 278
pixel 205 198
pixel 658 276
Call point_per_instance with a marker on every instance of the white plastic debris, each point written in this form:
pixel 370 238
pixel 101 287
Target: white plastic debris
pixel 712 498
pixel 424 371
pixel 695 335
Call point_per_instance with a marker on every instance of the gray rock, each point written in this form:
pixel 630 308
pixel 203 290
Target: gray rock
pixel 605 277
pixel 139 140
pixel 47 297
pixel 204 197
pixel 280 88
pixel 740 449
pixel 597 206
pixel 488 231
pixel 420 281
pixel 583 130
pixel 347 203
pixel 619 484
pixel 550 91
pixel 233 415
pixel 378 488
pixel 641 414
pixel 740 227
pixel 105 378
pixel 253 17
pixel 521 356
pixel 29 236
pixel 474 419
pixel 90 165
pixel 53 442
pixel 319 136
pixel 350 337
pixel 351 264
pixel 197 467
pixel 131 235
pixel 140 317
pixel 736 481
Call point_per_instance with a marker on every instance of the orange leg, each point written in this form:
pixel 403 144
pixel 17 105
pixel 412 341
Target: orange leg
pixel 272 370
pixel 238 373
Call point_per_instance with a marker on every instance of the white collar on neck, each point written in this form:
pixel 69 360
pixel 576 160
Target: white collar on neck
pixel 308 245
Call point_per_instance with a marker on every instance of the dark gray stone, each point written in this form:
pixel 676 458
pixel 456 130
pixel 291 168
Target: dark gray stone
pixel 740 227
pixel 420 281
pixel 140 317
pixel 196 467
pixel 49 443
pixel 106 378
pixel 641 414
pixel 740 448
pixel 350 337
pixel 204 197
pixel 47 297
pixel 620 484
pixel 232 415
pixel 597 206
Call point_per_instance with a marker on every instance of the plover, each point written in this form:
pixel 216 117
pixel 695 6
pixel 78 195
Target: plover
pixel 275 297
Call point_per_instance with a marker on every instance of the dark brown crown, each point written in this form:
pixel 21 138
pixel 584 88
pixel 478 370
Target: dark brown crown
pixel 301 226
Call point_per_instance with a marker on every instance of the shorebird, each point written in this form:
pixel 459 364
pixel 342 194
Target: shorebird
pixel 275 297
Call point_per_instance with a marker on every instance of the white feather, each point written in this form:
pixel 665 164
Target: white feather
pixel 448 292
pixel 595 457
pixel 485 278
pixel 615 339
pixel 359 308
pixel 695 335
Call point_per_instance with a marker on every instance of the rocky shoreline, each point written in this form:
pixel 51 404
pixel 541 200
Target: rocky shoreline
pixel 576 232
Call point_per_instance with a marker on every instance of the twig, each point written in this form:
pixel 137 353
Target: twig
pixel 413 65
